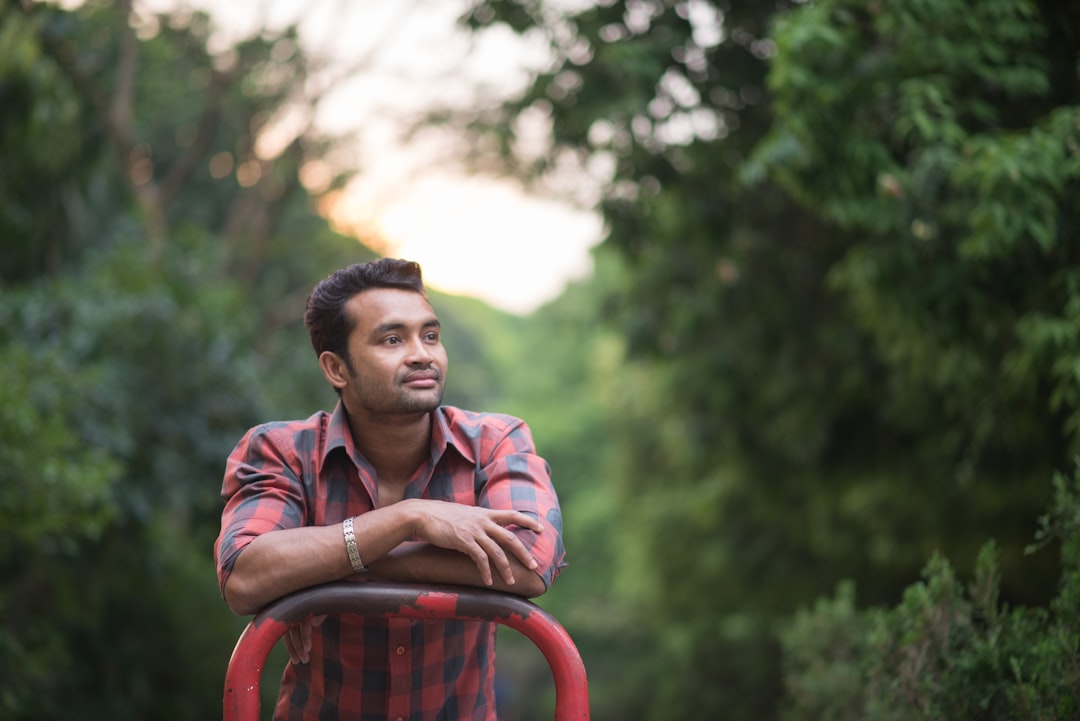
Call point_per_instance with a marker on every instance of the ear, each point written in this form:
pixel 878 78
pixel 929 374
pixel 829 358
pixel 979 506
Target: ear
pixel 334 368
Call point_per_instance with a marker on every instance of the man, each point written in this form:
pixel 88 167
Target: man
pixel 390 486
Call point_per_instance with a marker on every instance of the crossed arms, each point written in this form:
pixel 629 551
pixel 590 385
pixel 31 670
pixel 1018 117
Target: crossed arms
pixel 271 543
pixel 458 544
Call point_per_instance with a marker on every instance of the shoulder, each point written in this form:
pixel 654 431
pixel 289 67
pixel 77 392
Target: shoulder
pixel 484 436
pixel 299 435
pixel 479 423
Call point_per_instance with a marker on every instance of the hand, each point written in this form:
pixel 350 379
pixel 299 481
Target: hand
pixel 479 533
pixel 298 638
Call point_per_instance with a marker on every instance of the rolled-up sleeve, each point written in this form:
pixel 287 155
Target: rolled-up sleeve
pixel 261 492
pixel 515 477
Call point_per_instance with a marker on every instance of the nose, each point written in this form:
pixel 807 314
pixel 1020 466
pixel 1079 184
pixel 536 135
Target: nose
pixel 419 353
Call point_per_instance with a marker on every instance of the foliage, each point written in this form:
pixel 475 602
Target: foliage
pixel 474 334
pixel 155 272
pixel 946 651
pixel 69 503
pixel 134 357
pixel 125 385
pixel 961 156
pixel 569 392
pixel 832 334
pixel 848 275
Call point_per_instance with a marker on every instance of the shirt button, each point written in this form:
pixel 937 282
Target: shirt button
pixel 400 651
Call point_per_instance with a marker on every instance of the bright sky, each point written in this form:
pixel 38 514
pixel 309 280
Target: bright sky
pixel 473 236
pixel 481 237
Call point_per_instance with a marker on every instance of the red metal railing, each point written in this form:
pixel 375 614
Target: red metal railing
pixel 400 600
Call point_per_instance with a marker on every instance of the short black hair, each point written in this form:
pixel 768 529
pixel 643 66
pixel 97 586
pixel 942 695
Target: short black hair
pixel 327 322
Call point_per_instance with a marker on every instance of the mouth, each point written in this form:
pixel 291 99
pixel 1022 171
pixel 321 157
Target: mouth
pixel 423 379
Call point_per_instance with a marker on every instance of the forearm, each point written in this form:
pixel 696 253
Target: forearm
pixel 280 562
pixel 463 544
pixel 425 563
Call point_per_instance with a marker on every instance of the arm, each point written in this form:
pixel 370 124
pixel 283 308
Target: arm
pixel 265 551
pixel 512 479
pixel 514 476
pixel 422 562
pixel 464 545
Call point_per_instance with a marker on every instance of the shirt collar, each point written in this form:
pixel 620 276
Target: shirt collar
pixel 337 432
pixel 339 435
pixel 442 436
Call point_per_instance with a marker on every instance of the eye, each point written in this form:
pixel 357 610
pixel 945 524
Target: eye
pixel 432 337
pixel 391 340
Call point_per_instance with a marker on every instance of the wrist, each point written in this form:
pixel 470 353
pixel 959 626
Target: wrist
pixel 351 548
pixel 411 517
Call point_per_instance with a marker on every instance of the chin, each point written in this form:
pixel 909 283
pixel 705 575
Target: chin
pixel 421 405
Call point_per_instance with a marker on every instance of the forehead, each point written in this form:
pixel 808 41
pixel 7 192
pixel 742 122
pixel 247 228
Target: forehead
pixel 379 307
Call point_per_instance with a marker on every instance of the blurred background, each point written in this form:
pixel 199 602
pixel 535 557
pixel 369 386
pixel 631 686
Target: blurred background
pixel 789 293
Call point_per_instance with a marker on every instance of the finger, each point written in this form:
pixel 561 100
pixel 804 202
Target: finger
pixel 517 518
pixel 496 557
pixel 294 647
pixel 317 621
pixel 480 558
pixel 509 541
pixel 305 635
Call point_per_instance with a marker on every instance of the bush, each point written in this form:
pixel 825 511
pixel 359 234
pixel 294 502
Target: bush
pixel 946 651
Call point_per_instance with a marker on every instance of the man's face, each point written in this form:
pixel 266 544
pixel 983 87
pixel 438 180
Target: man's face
pixel 396 353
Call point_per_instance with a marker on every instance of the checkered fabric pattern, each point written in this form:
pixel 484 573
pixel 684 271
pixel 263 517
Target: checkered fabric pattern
pixel 309 472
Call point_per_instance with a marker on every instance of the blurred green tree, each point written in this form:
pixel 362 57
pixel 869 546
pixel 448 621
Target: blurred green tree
pixel 850 272
pixel 159 245
pixel 150 257
pixel 125 384
pixel 946 651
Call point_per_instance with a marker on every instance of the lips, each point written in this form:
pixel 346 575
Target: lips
pixel 425 378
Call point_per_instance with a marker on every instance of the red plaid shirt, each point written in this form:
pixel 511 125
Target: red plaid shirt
pixel 289 474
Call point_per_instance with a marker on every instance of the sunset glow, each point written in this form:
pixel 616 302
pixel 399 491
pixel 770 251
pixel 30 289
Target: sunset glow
pixel 478 237
pixel 482 237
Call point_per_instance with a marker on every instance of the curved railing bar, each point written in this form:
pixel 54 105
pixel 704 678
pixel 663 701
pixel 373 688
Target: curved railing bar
pixel 403 600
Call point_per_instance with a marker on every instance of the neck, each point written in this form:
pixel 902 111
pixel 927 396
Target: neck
pixel 395 445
